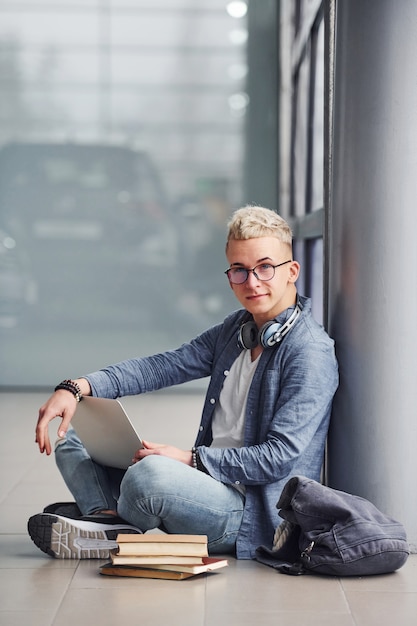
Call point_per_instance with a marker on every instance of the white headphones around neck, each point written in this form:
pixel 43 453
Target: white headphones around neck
pixel 271 333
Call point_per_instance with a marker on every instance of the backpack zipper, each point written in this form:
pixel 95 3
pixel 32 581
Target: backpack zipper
pixel 305 554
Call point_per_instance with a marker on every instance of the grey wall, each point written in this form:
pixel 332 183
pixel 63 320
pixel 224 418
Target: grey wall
pixel 373 255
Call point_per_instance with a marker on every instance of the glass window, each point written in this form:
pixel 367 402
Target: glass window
pixel 121 155
pixel 300 146
pixel 306 112
pixel 317 126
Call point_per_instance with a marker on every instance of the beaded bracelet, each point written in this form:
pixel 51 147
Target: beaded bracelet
pixel 194 457
pixel 72 387
pixel 197 464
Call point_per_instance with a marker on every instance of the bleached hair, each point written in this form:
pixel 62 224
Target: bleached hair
pixel 250 222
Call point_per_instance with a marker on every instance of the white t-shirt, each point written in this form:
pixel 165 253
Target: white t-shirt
pixel 229 416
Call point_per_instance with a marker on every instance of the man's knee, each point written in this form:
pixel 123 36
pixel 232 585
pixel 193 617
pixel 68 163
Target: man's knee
pixel 150 475
pixel 70 445
pixel 145 489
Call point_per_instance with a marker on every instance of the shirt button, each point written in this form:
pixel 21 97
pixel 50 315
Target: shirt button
pixel 201 429
pixel 212 401
pixel 226 372
pixel 237 482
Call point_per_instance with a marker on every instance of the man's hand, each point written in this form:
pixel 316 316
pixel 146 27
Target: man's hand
pixel 184 456
pixel 61 404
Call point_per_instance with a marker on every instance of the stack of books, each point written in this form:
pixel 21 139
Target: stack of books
pixel 174 557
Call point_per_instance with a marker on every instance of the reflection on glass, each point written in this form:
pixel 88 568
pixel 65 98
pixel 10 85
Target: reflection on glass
pixel 121 151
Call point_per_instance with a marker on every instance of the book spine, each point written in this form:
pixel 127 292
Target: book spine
pixel 168 549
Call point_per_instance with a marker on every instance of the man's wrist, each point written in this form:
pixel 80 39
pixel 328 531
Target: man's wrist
pixel 72 386
pixel 196 461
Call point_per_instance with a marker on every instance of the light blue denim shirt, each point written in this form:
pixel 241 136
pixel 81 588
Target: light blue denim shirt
pixel 287 413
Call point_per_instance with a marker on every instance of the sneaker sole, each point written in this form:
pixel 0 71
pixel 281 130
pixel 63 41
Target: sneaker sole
pixel 64 538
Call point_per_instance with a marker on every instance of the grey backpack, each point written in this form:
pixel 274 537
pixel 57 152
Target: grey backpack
pixel 326 531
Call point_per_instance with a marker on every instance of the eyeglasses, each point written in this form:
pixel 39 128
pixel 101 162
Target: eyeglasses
pixel 263 272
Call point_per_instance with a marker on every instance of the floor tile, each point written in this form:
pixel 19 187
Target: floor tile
pixel 38 590
pixel 25 617
pixel 35 589
pixel 382 608
pixel 136 601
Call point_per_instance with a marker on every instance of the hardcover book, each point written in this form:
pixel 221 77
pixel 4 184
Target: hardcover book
pixel 166 571
pixel 158 559
pixel 158 544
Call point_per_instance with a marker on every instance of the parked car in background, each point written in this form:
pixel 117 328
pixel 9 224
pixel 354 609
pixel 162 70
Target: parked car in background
pixel 96 227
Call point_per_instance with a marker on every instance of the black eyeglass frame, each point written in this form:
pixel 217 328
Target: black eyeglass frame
pixel 247 270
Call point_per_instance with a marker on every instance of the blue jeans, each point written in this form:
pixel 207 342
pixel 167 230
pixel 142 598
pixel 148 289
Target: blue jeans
pixel 157 492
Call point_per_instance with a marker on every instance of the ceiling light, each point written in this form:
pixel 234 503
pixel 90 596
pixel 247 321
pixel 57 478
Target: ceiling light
pixel 237 9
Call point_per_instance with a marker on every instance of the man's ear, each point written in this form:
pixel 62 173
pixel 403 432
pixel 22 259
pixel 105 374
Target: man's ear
pixel 293 271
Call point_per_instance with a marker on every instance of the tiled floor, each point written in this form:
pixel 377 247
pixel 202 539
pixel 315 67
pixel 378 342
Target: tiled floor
pixel 37 590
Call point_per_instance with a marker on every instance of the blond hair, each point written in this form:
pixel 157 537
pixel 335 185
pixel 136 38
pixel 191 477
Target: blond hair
pixel 250 222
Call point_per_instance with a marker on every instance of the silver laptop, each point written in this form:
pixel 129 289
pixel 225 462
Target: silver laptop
pixel 106 431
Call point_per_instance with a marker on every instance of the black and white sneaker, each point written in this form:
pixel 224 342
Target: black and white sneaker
pixel 66 509
pixel 71 510
pixel 65 538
